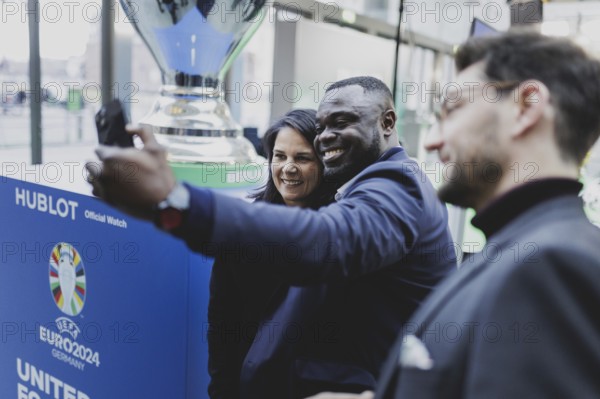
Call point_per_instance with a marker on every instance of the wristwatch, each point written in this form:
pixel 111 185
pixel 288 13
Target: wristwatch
pixel 170 213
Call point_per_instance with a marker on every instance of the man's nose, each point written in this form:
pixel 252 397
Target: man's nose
pixel 325 136
pixel 433 140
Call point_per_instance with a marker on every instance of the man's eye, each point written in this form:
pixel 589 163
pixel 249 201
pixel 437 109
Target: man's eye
pixel 319 129
pixel 279 156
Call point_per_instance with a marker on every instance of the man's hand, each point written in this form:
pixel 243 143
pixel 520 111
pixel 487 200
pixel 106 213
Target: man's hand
pixel 131 179
pixel 331 395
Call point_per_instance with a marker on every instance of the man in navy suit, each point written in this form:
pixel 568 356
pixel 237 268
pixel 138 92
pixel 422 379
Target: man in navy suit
pixel 360 266
pixel 520 320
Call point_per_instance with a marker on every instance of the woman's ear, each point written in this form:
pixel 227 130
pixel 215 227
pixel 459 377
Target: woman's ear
pixel 388 122
pixel 532 98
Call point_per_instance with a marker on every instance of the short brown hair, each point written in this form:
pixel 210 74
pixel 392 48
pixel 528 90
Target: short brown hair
pixel 571 75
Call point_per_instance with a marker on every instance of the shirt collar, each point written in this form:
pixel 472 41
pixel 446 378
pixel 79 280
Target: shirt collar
pixel 386 155
pixel 510 205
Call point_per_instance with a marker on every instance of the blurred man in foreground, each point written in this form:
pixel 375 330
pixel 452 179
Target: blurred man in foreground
pixel 519 320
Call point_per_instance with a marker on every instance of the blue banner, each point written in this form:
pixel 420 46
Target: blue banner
pixel 95 304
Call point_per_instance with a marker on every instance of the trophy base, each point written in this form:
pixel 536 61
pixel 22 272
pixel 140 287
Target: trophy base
pixel 197 127
pixel 244 177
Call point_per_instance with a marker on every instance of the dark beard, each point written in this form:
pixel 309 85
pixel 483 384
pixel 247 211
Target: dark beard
pixel 474 182
pixel 347 171
pixel 479 170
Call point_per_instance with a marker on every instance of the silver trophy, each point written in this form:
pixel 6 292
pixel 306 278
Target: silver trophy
pixel 194 44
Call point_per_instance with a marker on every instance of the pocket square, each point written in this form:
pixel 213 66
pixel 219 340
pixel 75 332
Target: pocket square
pixel 414 354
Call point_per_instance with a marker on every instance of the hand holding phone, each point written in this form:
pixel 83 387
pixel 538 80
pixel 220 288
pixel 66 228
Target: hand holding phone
pixel 110 123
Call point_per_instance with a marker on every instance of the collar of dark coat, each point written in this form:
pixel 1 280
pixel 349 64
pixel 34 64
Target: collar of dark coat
pixel 384 157
pixel 507 207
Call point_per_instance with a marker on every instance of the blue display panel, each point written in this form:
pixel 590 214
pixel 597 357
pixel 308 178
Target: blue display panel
pixel 95 304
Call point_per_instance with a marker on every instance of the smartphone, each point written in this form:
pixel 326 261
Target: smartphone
pixel 110 123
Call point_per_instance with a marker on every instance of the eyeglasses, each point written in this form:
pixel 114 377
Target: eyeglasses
pixel 441 109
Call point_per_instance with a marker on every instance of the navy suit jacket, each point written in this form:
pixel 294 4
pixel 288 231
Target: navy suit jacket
pixel 519 320
pixel 354 272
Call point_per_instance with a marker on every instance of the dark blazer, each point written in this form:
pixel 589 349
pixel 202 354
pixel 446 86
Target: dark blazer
pixel 354 271
pixel 238 300
pixel 518 321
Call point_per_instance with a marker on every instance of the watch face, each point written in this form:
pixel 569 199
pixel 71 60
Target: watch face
pixel 179 198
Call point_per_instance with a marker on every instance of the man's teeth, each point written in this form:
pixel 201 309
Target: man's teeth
pixel 291 182
pixel 329 154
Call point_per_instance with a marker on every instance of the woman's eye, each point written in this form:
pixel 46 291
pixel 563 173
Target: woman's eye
pixel 279 156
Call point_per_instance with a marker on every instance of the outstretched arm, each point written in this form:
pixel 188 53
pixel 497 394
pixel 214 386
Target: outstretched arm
pixel 376 225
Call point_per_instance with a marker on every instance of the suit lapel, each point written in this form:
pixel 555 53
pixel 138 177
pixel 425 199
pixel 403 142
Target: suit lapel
pixel 559 208
pixel 421 318
pixel 446 290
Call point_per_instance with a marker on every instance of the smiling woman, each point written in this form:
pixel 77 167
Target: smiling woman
pixel 241 299
pixel 295 168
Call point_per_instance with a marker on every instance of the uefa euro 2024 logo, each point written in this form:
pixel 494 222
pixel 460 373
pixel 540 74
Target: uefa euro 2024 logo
pixel 67 279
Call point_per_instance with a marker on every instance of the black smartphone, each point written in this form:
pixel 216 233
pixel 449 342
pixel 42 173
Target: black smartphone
pixel 110 123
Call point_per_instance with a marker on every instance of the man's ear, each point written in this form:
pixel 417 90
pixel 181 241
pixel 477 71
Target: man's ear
pixel 388 122
pixel 532 99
